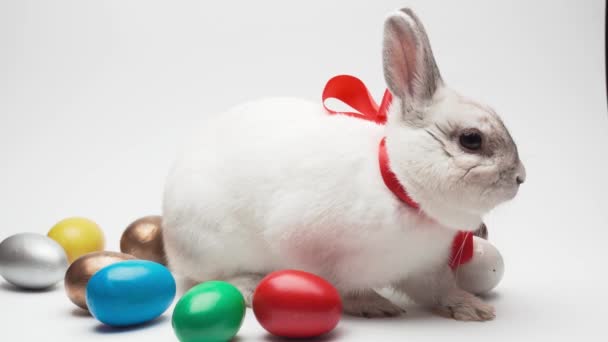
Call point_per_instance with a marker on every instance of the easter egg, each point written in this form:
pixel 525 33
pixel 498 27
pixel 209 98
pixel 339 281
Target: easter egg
pixel 80 271
pixel 130 292
pixel 143 239
pixel 32 261
pixel 484 271
pixel 209 312
pixel 296 304
pixel 78 236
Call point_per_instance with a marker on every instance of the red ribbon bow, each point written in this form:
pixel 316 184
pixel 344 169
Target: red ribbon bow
pixel 353 92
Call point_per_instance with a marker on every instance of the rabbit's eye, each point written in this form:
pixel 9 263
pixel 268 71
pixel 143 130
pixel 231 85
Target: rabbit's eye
pixel 471 140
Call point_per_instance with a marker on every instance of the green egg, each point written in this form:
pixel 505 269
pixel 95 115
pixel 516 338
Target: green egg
pixel 209 312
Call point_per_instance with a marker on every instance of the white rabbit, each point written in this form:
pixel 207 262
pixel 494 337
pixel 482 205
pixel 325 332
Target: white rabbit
pixel 280 184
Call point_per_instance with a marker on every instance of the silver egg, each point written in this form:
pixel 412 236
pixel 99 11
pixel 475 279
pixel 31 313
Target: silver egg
pixel 484 271
pixel 32 261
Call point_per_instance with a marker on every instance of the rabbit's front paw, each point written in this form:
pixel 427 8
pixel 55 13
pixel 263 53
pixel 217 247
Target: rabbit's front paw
pixel 463 306
pixel 370 304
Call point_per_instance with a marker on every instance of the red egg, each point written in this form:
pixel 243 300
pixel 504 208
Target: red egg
pixel 296 304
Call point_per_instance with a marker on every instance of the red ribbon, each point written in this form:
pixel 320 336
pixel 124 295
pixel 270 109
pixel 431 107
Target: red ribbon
pixel 462 249
pixel 390 179
pixel 353 92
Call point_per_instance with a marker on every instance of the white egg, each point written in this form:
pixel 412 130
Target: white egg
pixel 32 261
pixel 484 271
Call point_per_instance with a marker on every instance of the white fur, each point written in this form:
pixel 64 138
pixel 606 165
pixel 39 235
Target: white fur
pixel 281 184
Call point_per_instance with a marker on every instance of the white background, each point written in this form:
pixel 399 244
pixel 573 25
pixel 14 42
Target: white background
pixel 95 97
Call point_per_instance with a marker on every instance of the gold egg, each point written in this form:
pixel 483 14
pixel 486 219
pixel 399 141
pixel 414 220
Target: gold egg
pixel 81 270
pixel 143 239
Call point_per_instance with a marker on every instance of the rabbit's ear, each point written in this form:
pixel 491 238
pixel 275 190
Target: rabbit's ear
pixel 410 70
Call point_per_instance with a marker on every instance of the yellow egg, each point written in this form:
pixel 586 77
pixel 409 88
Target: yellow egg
pixel 78 236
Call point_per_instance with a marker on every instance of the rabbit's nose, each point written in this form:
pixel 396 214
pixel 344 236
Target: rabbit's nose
pixel 520 174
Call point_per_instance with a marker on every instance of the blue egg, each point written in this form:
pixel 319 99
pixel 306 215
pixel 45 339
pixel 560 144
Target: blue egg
pixel 130 292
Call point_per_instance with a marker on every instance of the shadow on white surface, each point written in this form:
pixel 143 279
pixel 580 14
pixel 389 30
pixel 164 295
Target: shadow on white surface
pixel 331 336
pixel 490 296
pixel 413 313
pixel 78 312
pixel 12 288
pixel 106 329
